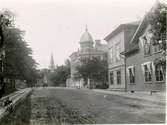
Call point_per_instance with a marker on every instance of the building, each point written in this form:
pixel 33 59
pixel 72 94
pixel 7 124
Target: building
pixel 118 41
pixel 144 72
pixel 88 49
pixel 52 65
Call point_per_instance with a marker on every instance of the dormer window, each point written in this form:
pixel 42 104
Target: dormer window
pixel 147 46
pixel 157 48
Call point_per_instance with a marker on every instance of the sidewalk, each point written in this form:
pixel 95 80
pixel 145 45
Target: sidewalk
pixel 158 97
pixel 15 97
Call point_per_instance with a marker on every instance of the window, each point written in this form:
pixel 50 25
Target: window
pixel 131 74
pixel 159 72
pixel 118 77
pixel 147 69
pixel 111 54
pixel 111 78
pixel 117 49
pixel 157 48
pixel 147 46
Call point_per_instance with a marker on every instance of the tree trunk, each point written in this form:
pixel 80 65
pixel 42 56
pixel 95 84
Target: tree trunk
pixel 2 90
pixel 2 84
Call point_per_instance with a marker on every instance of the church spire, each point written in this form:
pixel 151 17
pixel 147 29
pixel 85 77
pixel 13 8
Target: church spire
pixel 52 65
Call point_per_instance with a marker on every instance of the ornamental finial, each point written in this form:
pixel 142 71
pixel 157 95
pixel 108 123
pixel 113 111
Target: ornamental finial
pixel 86 28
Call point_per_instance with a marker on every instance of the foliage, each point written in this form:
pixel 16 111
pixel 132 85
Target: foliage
pixel 6 19
pixel 94 69
pixel 157 19
pixel 19 63
pixel 60 75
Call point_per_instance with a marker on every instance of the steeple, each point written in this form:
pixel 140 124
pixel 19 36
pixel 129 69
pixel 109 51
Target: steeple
pixel 52 65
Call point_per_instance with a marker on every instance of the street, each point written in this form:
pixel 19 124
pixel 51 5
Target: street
pixel 82 62
pixel 48 105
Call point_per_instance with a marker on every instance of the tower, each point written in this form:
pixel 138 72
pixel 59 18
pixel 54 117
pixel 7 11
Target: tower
pixel 52 65
pixel 86 41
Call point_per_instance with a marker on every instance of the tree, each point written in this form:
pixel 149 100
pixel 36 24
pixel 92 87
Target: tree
pixel 6 19
pixel 16 55
pixel 157 20
pixel 19 63
pixel 67 68
pixel 61 74
pixel 94 69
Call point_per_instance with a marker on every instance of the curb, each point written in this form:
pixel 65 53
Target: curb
pixel 131 97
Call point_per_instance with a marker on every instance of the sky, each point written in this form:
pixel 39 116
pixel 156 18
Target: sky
pixel 55 26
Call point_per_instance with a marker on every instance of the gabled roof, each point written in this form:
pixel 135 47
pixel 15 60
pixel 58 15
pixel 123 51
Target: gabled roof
pixel 119 28
pixel 142 26
pixel 133 44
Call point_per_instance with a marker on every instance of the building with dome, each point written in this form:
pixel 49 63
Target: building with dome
pixel 88 49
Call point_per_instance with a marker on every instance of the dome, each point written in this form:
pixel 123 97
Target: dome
pixel 86 37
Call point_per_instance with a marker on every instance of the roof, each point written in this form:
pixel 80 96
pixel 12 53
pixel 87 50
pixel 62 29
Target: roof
pixel 73 54
pixel 142 26
pixel 131 48
pixel 119 28
pixel 92 51
pixel 86 37
pixel 102 47
pixel 133 45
